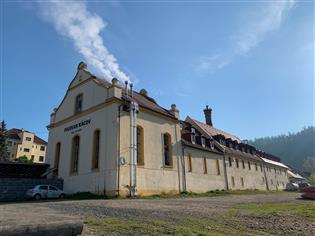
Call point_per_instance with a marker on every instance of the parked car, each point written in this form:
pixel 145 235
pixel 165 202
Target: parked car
pixel 44 192
pixel 303 185
pixel 309 192
pixel 292 187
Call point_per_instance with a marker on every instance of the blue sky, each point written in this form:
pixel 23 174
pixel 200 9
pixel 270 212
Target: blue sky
pixel 252 62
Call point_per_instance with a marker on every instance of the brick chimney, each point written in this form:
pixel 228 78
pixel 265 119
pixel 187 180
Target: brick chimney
pixel 208 117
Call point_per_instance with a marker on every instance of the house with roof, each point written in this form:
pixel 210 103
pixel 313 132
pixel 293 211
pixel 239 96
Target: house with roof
pixel 106 138
pixel 21 142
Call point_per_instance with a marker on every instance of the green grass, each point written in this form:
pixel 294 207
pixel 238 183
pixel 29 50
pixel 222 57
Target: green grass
pixel 208 194
pixel 306 209
pixel 174 225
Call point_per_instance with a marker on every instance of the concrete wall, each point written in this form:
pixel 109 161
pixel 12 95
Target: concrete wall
pixel 196 179
pixel 13 189
pixel 252 178
pixel 277 177
pixel 152 177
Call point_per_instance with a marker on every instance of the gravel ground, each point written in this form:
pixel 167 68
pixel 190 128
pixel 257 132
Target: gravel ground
pixel 203 207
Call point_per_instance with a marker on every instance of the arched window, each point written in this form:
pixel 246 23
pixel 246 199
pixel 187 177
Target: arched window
pixel 167 142
pixel 75 155
pixel 96 149
pixel 57 158
pixel 140 146
pixel 78 104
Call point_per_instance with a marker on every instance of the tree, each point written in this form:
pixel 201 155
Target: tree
pixel 309 164
pixel 4 156
pixel 23 159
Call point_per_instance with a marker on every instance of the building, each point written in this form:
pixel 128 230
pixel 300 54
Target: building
pixel 108 139
pixel 24 143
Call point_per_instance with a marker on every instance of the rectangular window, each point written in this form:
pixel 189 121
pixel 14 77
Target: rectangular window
pixel 28 138
pixel 233 181
pixel 189 163
pixel 96 150
pixel 242 181
pixel 32 157
pixel 42 148
pixel 230 161
pixel 193 135
pixel 203 141
pixel 75 155
pixel 26 150
pixel 256 168
pixel 243 164
pixel 41 158
pixel 168 160
pixel 263 179
pixel 78 104
pixel 205 170
pixel 261 169
pixel 57 158
pixel 249 167
pixel 237 166
pixel 218 167
pixel 140 146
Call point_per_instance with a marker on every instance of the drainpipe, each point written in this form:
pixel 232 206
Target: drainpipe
pixel 226 181
pixel 184 168
pixel 118 151
pixel 266 180
pixel 178 160
pixel 133 147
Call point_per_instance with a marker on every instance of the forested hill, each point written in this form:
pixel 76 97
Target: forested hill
pixel 293 148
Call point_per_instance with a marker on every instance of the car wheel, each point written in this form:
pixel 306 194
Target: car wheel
pixel 37 197
pixel 62 196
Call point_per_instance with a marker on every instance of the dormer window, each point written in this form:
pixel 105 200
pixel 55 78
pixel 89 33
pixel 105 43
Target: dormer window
pixel 193 135
pixel 203 141
pixel 212 144
pixel 78 104
pixel 230 145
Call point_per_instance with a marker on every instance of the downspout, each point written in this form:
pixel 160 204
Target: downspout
pixel 178 159
pixel 266 180
pixel 118 151
pixel 226 181
pixel 184 168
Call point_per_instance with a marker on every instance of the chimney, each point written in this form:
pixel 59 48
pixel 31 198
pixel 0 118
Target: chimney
pixel 131 91
pixel 208 117
pixel 126 87
pixel 174 111
pixel 115 82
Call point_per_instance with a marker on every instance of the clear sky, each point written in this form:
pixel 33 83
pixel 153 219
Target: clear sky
pixel 251 62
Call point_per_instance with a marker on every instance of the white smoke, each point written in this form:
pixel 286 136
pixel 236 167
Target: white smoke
pixel 73 20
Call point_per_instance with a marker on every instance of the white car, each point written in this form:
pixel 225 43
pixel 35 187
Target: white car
pixel 44 192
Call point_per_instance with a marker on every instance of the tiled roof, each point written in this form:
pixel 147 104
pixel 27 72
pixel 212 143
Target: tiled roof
pixel 14 134
pixel 214 131
pixel 148 103
pixel 38 140
pixel 234 152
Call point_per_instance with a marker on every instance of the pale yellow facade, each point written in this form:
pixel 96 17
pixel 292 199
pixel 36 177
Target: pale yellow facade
pixel 72 134
pixel 26 145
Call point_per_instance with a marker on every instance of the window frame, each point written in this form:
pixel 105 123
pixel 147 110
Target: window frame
pixel 218 167
pixel 74 160
pixel 76 111
pixel 167 150
pixel 96 150
pixel 205 169
pixel 189 163
pixel 140 145
pixel 57 157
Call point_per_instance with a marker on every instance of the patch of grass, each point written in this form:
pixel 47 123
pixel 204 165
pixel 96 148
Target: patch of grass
pixel 211 193
pixel 172 225
pixel 306 209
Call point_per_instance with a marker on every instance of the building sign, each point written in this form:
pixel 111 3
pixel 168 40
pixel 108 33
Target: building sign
pixel 78 125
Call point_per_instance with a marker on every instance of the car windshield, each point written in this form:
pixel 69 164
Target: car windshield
pixel 53 188
pixel 43 187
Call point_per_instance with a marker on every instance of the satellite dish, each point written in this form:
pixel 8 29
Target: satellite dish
pixel 122 161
